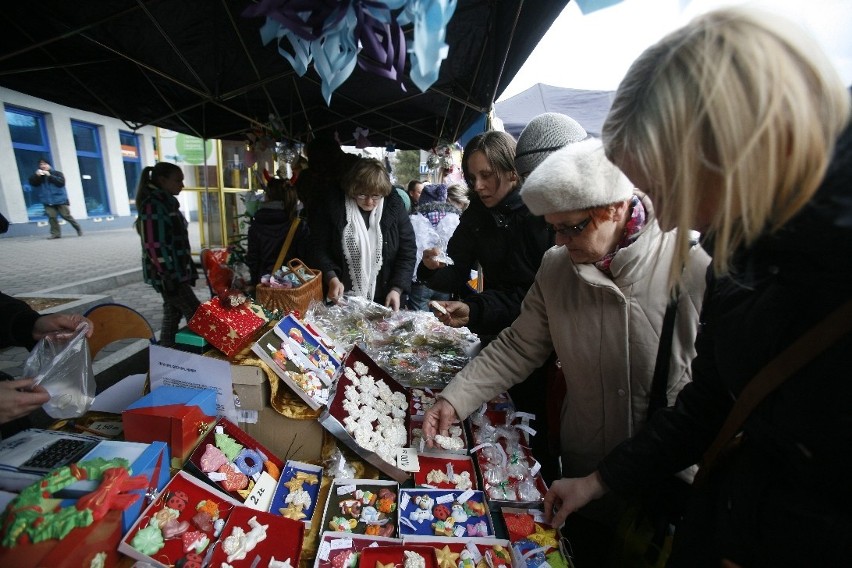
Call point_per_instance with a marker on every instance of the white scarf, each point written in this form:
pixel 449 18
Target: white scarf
pixel 362 248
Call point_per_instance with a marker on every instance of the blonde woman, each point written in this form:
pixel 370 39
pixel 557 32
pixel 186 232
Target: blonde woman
pixel 737 126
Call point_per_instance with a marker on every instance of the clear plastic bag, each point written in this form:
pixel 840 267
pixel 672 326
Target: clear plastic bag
pixel 62 365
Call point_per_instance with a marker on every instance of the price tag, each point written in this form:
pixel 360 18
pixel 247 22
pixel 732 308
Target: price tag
pixel 260 497
pixel 108 429
pixel 373 544
pixel 535 469
pixel 465 497
pixel 525 428
pixel 428 390
pixel 403 501
pixel 537 515
pixel 407 460
pixel 450 473
pixel 459 531
pixel 345 489
pixel 446 498
pixel 338 543
pixel 323 550
pixel 475 555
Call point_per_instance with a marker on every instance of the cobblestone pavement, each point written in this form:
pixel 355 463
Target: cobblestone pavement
pixel 35 265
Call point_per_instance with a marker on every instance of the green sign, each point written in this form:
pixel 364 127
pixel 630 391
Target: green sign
pixel 192 150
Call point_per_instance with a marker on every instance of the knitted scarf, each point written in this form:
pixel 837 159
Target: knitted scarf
pixel 362 248
pixel 633 226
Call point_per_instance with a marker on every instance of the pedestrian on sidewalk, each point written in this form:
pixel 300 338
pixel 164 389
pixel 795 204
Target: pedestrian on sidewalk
pixel 54 197
pixel 166 256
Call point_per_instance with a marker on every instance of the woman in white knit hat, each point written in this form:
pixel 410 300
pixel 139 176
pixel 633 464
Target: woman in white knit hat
pixel 598 300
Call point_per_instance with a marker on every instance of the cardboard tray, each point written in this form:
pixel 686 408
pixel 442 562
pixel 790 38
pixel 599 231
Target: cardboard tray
pixel 439 462
pixel 310 486
pixel 268 348
pixel 225 426
pixel 343 490
pixel 411 503
pixel 333 415
pixel 333 543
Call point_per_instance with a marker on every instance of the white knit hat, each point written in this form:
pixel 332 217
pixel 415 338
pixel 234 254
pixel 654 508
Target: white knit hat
pixel 579 176
pixel 542 136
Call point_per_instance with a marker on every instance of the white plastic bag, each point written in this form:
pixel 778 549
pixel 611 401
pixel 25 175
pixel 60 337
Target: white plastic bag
pixel 60 362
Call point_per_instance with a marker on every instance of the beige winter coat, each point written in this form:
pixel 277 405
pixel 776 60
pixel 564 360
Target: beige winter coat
pixel 605 332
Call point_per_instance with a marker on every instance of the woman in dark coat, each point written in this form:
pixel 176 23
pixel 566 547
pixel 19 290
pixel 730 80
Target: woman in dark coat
pixel 738 126
pixel 362 239
pixel 496 232
pixel 269 228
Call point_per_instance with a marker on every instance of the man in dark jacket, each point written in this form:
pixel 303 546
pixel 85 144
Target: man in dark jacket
pixel 54 197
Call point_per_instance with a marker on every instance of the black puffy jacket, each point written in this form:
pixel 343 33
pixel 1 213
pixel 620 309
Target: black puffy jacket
pixel 266 235
pixel 786 498
pixel 509 242
pixel 399 248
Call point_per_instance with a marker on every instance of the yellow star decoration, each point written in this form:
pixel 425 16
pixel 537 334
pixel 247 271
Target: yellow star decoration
pixel 294 484
pixel 244 493
pixel 292 512
pixel 543 537
pixel 380 565
pixel 447 558
pixel 309 478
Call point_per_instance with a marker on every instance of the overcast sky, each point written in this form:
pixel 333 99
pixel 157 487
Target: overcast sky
pixel 593 51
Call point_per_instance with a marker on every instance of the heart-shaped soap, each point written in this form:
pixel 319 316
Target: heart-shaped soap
pixel 519 526
pixel 234 479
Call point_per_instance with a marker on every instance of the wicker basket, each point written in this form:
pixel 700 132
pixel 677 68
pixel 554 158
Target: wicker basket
pixel 292 299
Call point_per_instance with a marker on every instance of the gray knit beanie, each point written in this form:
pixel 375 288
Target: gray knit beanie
pixel 578 176
pixel 542 136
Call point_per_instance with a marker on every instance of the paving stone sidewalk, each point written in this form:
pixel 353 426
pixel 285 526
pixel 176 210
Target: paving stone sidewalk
pixel 35 265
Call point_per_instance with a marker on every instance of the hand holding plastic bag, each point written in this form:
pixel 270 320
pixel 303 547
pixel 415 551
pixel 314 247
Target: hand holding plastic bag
pixel 60 362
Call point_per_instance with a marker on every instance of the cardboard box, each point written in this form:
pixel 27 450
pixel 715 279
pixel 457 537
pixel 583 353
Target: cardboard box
pixel 285 437
pixel 251 389
pixel 229 432
pixel 188 340
pixel 178 416
pixel 297 476
pixel 230 329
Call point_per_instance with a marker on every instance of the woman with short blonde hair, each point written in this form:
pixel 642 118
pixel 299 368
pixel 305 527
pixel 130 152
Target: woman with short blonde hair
pixel 737 126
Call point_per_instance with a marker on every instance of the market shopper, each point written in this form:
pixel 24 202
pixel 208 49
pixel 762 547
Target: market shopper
pixel 362 239
pixel 269 227
pixel 738 126
pixel 599 301
pixel 496 234
pixel 54 197
pixel 22 326
pixel 320 182
pixel 166 256
pixel 435 212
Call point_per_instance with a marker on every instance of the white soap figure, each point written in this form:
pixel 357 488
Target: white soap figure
pixel 279 563
pixel 413 560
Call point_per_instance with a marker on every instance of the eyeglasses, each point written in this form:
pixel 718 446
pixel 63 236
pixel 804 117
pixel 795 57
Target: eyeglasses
pixel 571 231
pixel 364 197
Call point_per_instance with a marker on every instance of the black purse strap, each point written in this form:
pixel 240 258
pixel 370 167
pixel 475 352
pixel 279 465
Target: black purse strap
pixel 658 398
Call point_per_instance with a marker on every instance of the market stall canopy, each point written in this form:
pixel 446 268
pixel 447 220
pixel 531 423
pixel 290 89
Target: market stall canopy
pixel 589 108
pixel 200 67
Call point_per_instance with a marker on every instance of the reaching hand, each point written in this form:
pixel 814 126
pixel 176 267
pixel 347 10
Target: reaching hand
pixel 17 400
pixel 392 300
pixel 458 314
pixel 429 256
pixel 566 495
pixel 335 289
pixel 65 323
pixel 438 420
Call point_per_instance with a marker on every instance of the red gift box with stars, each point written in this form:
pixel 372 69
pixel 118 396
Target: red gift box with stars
pixel 230 329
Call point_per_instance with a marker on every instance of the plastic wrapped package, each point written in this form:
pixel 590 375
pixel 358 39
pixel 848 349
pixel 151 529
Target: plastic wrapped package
pixel 60 362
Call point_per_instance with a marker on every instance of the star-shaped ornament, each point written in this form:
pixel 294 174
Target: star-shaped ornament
pixel 292 512
pixel 447 558
pixel 294 484
pixel 543 537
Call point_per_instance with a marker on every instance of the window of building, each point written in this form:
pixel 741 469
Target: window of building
pixel 132 164
pixel 30 144
pixel 90 160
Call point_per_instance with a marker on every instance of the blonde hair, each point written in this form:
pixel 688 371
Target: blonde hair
pixel 740 107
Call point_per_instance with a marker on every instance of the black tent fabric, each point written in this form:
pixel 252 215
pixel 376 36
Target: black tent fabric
pixel 589 108
pixel 199 67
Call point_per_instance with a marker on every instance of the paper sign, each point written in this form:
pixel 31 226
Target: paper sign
pixel 341 543
pixel 261 496
pixel 323 551
pixel 170 367
pixel 407 460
